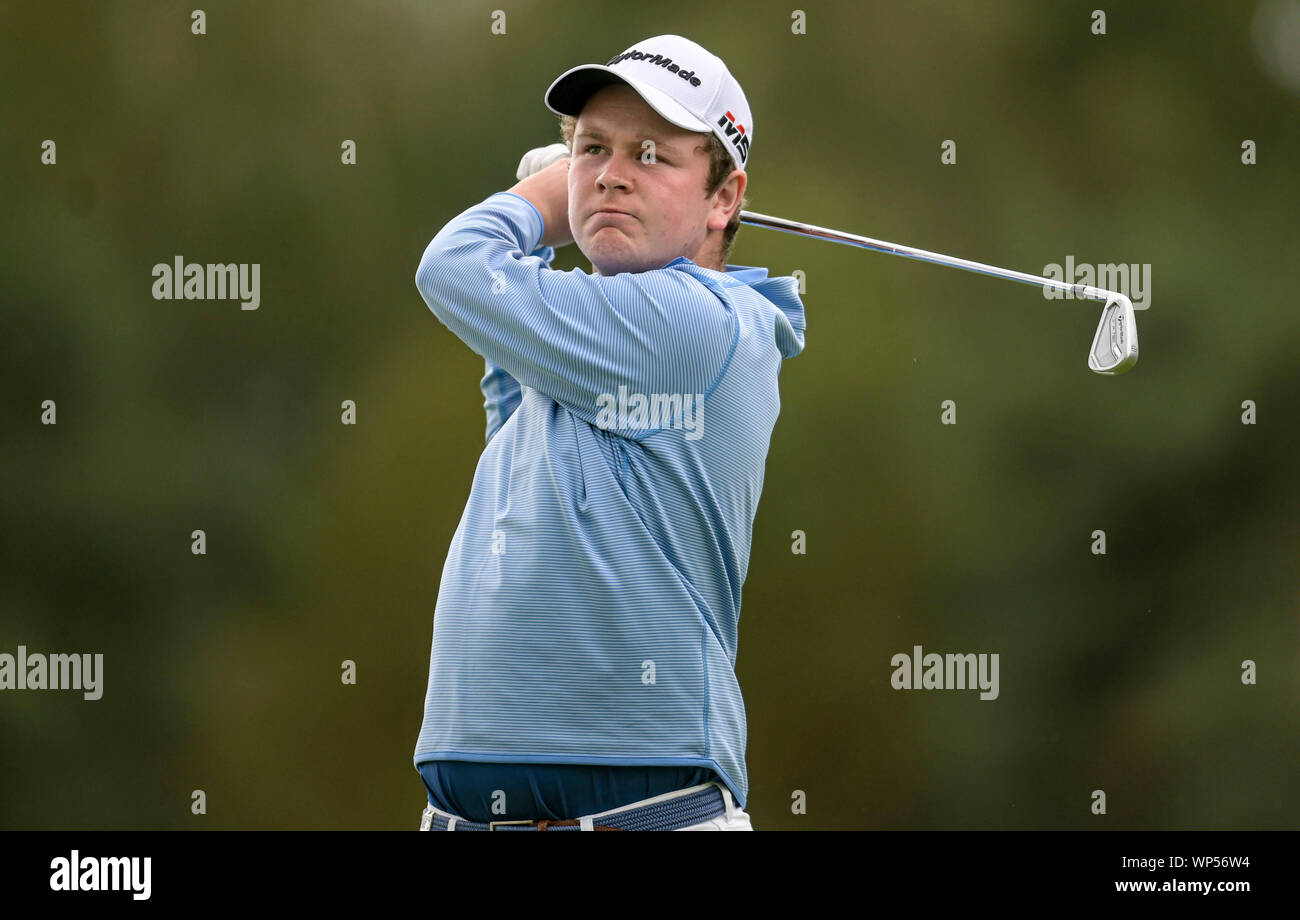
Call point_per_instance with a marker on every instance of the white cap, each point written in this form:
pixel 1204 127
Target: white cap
pixel 677 78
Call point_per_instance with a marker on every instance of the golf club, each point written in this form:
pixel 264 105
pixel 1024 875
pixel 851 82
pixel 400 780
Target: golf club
pixel 1114 347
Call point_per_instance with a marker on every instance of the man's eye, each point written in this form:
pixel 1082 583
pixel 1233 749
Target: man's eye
pixel 591 147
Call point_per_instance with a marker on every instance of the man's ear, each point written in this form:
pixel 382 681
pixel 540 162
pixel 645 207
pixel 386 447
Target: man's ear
pixel 727 198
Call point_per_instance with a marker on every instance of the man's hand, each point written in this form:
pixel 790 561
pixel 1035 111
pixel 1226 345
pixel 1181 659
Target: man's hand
pixel 548 190
pixel 537 159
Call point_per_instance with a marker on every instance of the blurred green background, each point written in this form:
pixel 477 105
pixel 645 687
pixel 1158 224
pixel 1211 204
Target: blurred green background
pixel 326 542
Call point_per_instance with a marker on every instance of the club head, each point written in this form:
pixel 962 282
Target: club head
pixel 1115 346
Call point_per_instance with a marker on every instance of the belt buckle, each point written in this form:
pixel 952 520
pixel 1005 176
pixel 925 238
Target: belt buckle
pixel 492 825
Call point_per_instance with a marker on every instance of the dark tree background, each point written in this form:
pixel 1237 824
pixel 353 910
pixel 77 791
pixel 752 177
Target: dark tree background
pixel 1120 672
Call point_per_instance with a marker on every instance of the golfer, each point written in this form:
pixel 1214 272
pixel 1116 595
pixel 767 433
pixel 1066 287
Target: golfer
pixel 582 673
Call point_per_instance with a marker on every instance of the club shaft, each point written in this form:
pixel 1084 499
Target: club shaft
pixel 865 242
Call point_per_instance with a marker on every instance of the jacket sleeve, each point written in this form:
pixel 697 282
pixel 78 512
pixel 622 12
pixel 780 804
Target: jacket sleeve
pixel 501 392
pixel 572 336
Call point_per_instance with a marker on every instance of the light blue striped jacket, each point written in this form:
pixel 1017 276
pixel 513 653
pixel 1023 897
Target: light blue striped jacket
pixel 589 602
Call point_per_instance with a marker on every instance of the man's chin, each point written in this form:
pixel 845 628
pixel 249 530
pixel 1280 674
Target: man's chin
pixel 605 262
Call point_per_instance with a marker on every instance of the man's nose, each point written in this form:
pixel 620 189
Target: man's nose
pixel 614 175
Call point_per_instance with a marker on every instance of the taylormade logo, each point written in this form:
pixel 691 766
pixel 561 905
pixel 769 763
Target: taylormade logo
pixel 665 62
pixel 103 873
pixel 636 411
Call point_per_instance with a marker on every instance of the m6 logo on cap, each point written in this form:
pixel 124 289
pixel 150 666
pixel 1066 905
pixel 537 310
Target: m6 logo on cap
pixel 736 134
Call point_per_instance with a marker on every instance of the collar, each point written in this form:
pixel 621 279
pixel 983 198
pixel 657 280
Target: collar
pixel 746 274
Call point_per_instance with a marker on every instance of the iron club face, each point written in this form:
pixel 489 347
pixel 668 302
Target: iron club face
pixel 1115 346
